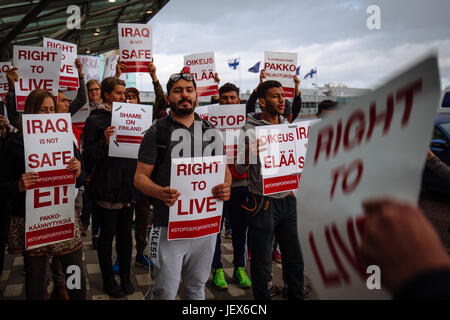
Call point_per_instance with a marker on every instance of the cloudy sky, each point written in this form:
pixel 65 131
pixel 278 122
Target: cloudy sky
pixel 331 35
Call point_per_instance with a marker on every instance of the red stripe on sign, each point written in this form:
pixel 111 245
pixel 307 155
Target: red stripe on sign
pixel 193 229
pixel 54 178
pixel 47 235
pixel 136 66
pixel 68 82
pixel 79 125
pixel 129 139
pixel 208 91
pixel 288 92
pixel 280 184
pixel 20 103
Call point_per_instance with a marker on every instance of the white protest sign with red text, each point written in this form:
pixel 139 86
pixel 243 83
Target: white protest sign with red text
pixel 38 68
pixel 69 72
pixel 280 66
pixel 279 167
pixel 4 86
pixel 131 122
pixel 197 212
pixel 373 147
pixel 136 46
pixel 229 119
pixel 91 67
pixel 50 206
pixel 79 118
pixel 203 67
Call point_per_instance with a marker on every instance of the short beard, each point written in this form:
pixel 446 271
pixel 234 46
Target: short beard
pixel 182 111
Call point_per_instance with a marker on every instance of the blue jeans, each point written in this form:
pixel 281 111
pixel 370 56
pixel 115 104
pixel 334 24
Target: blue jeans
pixel 238 219
pixel 276 218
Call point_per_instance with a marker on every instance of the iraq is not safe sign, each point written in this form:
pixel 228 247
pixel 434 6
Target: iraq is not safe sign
pixel 197 212
pixel 136 46
pixel 50 206
pixel 373 147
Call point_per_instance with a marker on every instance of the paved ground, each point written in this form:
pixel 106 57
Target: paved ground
pixel 13 279
pixel 436 208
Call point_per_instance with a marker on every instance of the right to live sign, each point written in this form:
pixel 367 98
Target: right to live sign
pixel 38 68
pixel 50 206
pixel 373 147
pixel 197 212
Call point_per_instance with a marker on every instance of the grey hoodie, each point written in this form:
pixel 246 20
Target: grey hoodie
pixel 255 184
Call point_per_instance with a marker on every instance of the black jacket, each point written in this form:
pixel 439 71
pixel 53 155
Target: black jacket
pixel 12 164
pixel 112 179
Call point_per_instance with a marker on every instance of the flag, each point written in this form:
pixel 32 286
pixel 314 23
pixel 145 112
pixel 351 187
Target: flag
pixel 255 68
pixel 297 71
pixel 233 63
pixel 310 74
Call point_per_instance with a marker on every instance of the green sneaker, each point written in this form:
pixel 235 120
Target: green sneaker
pixel 219 279
pixel 241 277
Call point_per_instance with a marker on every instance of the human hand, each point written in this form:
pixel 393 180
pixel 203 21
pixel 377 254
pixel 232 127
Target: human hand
pixel 262 75
pixel 152 71
pixel 109 132
pixel 430 154
pixel 79 66
pixel 222 191
pixel 168 195
pixel 216 77
pixel 296 81
pixel 27 179
pixel 120 66
pixel 74 165
pixel 401 241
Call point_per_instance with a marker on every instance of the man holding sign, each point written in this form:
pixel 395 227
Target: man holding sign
pixel 190 257
pixel 271 215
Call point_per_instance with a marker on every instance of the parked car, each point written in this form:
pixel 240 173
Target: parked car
pixel 440 145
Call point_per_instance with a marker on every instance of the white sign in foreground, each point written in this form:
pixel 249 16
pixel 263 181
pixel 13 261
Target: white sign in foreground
pixel 131 122
pixel 50 203
pixel 38 68
pixel 136 46
pixel 375 146
pixel 197 212
pixel 69 72
pixel 280 66
pixel 203 67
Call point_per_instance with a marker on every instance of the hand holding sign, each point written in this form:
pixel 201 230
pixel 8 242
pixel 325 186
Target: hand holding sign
pixel 79 66
pixel 222 191
pixel 74 165
pixel 401 241
pixel 12 76
pixel 168 195
pixel 27 180
pixel 120 66
pixel 109 132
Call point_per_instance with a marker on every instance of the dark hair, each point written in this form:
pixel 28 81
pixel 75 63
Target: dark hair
pixel 92 81
pixel 135 91
pixel 266 85
pixel 327 105
pixel 108 85
pixel 35 99
pixel 171 82
pixel 227 87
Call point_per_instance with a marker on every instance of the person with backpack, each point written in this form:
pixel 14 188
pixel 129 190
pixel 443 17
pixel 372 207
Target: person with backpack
pixel 190 258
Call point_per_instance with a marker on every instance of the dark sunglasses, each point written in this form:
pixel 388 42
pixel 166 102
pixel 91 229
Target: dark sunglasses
pixel 186 76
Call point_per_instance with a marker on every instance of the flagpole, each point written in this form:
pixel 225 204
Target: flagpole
pixel 317 81
pixel 240 73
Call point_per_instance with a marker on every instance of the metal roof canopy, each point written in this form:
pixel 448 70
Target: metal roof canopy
pixel 28 22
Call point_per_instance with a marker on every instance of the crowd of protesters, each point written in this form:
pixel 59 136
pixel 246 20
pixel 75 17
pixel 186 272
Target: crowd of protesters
pixel 112 190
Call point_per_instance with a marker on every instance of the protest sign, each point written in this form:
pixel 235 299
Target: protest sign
pixel 281 66
pixel 4 68
pixel 197 212
pixel 202 111
pixel 373 147
pixel 79 118
pixel 50 206
pixel 131 121
pixel 69 72
pixel 279 167
pixel 136 46
pixel 38 68
pixel 203 67
pixel 229 119
pixel 110 66
pixel 91 67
